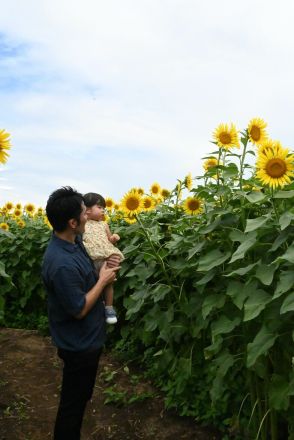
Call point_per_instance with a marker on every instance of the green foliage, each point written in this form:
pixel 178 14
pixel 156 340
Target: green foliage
pixel 22 296
pixel 206 302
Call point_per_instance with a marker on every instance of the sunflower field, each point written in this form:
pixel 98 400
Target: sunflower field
pixel 205 295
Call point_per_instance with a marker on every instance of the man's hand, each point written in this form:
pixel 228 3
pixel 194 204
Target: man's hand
pixel 108 274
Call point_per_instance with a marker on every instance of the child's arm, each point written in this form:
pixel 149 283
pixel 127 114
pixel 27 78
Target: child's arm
pixel 113 238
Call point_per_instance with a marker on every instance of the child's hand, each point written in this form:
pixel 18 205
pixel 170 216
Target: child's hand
pixel 114 238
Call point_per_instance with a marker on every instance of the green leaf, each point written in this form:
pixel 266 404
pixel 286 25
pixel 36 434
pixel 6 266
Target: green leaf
pixel 256 223
pixel 207 277
pixel 262 342
pixel 288 304
pixel 131 248
pixel 212 259
pixel 211 227
pixel 223 325
pixel 255 196
pixel 2 270
pixel 237 235
pixel 288 255
pixel 212 349
pixel 265 273
pixel 284 194
pixel 230 170
pixel 195 249
pixel 235 292
pixel 285 283
pixel 160 291
pixel 214 301
pixel 242 270
pixel 285 219
pixel 255 304
pixel 278 393
pixel 282 237
pixel 244 247
pixel 223 363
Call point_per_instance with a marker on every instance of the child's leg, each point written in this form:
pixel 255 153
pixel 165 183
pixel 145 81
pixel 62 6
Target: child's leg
pixel 108 295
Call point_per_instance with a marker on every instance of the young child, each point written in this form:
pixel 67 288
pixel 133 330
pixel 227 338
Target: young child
pixel 99 243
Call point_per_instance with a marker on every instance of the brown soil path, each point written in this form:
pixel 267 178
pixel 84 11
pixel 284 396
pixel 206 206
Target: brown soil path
pixel 30 374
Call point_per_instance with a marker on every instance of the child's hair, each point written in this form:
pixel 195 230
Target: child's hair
pixel 91 199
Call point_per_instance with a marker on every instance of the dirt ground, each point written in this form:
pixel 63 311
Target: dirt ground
pixel 30 375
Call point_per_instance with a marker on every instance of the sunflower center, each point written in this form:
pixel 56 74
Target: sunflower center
pixel 276 167
pixel 225 138
pixel 255 133
pixel 194 205
pixel 147 203
pixel 155 189
pixel 132 203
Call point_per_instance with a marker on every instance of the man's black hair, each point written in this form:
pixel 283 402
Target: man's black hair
pixel 64 204
pixel 92 199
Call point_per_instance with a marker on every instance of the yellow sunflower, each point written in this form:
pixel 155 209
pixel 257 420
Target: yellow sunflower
pixel 155 189
pixel 269 145
pixel 18 206
pixel 165 193
pixel 188 182
pixel 275 168
pixel 4 146
pixel 211 162
pixel 132 203
pixel 256 131
pixel 46 222
pixel 140 191
pixel 130 219
pixel 109 202
pixel 192 205
pixel 9 206
pixel 17 212
pixel 116 206
pixel 21 223
pixel 30 208
pixel 226 136
pixel 149 203
pixel 4 226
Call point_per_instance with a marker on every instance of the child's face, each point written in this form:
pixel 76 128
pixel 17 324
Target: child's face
pixel 95 212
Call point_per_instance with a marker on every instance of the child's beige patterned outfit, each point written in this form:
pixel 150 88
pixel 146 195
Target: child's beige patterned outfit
pixel 96 241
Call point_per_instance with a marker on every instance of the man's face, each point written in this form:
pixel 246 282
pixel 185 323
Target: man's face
pixel 83 218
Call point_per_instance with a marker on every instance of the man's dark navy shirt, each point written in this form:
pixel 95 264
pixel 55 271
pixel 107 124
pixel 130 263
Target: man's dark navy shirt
pixel 68 274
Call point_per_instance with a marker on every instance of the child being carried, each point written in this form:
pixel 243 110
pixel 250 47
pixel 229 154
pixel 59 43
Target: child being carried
pixel 99 243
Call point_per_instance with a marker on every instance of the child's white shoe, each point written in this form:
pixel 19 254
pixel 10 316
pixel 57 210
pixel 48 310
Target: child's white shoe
pixel 110 315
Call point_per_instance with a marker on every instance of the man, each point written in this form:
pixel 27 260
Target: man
pixel 75 307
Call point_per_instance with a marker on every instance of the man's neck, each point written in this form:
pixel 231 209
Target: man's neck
pixel 67 235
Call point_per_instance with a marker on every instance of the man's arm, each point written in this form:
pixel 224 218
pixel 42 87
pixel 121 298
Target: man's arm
pixel 106 276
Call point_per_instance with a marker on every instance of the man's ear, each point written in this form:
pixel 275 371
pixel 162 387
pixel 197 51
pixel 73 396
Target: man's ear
pixel 72 223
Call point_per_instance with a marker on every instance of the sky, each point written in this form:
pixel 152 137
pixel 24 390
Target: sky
pixel 108 95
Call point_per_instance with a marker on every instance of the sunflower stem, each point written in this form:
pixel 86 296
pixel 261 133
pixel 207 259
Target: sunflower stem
pixel 242 161
pixel 218 175
pixel 273 202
